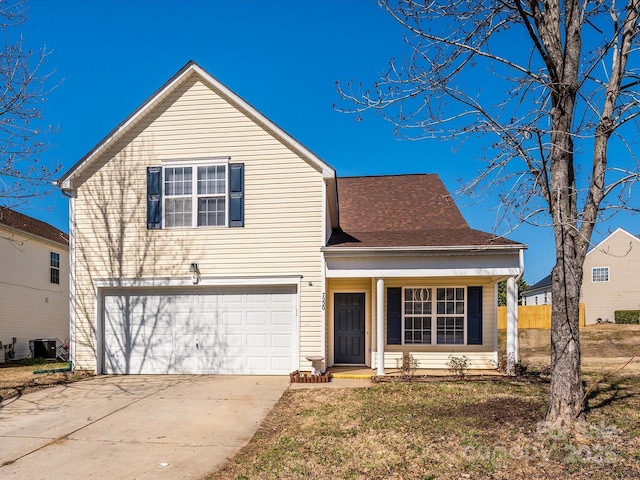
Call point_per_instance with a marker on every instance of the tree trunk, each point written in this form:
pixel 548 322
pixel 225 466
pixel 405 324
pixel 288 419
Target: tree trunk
pixel 567 390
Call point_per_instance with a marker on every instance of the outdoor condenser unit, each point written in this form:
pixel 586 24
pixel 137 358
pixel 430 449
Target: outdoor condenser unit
pixel 43 348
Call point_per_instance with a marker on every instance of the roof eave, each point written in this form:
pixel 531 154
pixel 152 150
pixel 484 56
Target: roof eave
pixel 446 249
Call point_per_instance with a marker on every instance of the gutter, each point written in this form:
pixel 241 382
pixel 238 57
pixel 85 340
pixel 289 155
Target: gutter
pixel 471 249
pixel 520 265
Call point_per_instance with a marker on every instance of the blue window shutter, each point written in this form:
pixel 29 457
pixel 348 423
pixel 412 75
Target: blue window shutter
pixel 394 316
pixel 154 198
pixel 474 315
pixel 236 194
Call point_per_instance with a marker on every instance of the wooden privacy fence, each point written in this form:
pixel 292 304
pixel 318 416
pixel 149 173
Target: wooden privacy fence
pixel 532 316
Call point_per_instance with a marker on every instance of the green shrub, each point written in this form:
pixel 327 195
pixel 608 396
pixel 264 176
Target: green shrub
pixel 627 316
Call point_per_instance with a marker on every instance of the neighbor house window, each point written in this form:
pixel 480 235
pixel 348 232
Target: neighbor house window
pixel 54 263
pixel 600 274
pixel 195 196
pixel 423 314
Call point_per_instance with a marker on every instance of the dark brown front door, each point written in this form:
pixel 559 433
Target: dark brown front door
pixel 349 328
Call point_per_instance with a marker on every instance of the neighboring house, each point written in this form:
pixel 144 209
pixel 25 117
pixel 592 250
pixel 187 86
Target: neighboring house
pixel 611 280
pixel 205 239
pixel 539 293
pixel 34 289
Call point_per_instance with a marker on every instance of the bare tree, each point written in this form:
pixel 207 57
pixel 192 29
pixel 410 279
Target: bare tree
pixel 22 173
pixel 552 88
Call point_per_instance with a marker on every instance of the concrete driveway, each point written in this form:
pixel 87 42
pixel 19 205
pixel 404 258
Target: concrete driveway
pixel 133 427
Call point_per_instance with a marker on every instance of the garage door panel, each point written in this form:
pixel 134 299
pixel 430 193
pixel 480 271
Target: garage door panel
pixel 258 318
pixel 258 364
pixel 257 341
pixel 232 318
pixel 256 299
pixel 226 331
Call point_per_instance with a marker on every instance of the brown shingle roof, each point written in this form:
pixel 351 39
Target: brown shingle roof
pixel 30 225
pixel 403 211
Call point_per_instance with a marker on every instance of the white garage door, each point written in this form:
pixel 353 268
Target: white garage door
pixel 222 331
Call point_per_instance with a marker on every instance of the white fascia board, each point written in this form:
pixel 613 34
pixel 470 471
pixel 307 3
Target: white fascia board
pixel 423 272
pixel 619 229
pixel 203 282
pixel 422 251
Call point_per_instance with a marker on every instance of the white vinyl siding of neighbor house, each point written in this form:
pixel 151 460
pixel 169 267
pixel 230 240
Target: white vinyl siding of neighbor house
pixel 621 253
pixel 31 307
pixel 537 298
pixel 282 234
pixel 433 355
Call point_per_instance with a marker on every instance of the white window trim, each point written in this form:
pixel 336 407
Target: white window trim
pixel 601 268
pixel 52 267
pixel 434 316
pixel 194 163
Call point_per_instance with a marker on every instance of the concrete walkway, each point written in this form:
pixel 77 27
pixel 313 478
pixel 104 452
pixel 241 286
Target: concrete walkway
pixel 133 427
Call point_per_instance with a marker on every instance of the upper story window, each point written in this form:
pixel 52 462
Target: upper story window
pixel 600 274
pixel 54 264
pixel 195 200
pixel 202 194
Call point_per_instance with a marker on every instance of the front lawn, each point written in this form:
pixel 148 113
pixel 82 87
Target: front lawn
pixel 460 429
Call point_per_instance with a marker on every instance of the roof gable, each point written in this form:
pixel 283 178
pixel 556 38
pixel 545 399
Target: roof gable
pixel 188 71
pixel 31 226
pixel 618 231
pixel 403 211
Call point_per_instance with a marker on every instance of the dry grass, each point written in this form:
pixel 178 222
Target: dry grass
pixel 603 347
pixel 440 430
pixel 17 380
pixel 453 429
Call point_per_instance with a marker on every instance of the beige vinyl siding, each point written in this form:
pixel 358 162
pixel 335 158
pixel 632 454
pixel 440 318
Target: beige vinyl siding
pixel 439 360
pixel 621 253
pixel 283 229
pixel 31 307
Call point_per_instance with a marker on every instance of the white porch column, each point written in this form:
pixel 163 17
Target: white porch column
pixel 512 325
pixel 380 324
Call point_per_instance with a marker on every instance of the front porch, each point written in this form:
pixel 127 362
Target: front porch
pixel 373 322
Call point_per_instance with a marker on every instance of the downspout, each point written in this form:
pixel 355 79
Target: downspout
pixel 520 264
pixel 70 194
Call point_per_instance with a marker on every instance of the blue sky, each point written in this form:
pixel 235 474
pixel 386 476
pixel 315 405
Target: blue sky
pixel 282 56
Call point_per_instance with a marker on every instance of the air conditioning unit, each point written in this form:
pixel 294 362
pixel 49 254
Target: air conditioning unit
pixel 43 348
